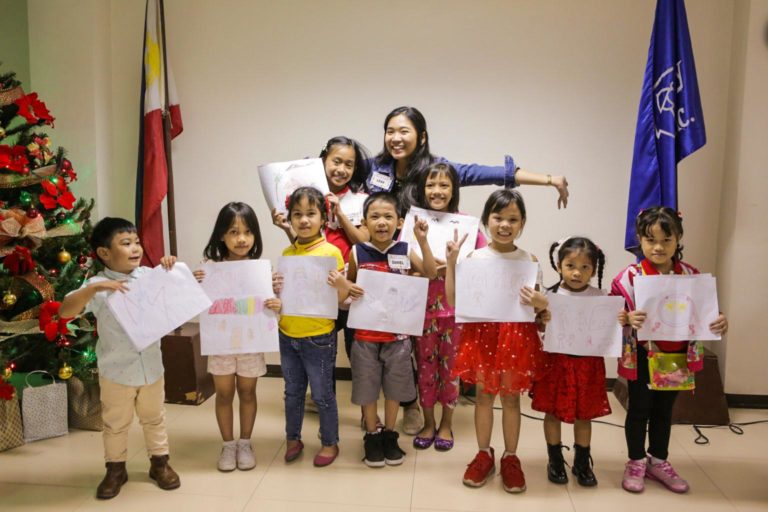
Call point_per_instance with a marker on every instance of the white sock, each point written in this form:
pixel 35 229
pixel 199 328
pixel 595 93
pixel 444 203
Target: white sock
pixel 507 453
pixel 486 450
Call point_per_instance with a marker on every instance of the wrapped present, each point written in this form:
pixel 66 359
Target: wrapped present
pixel 11 430
pixel 84 405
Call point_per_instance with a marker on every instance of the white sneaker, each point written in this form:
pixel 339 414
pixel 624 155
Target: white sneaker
pixel 245 458
pixel 227 458
pixel 412 422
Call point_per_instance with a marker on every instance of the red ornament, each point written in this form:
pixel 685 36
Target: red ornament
pixel 54 272
pixel 82 259
pixel 33 213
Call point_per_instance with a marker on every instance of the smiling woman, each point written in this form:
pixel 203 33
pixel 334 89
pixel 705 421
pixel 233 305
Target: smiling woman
pixel 406 152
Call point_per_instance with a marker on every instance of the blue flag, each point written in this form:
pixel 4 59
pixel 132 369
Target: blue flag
pixel 670 123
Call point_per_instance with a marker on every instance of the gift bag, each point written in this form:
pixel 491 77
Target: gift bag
pixel 669 372
pixel 11 432
pixel 44 410
pixel 84 405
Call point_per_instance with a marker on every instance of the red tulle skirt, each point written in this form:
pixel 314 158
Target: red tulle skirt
pixel 572 388
pixel 502 357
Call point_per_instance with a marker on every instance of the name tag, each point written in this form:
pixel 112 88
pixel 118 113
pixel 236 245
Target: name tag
pixel 356 218
pixel 381 180
pixel 399 261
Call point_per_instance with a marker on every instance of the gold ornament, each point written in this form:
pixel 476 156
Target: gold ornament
pixel 64 257
pixel 7 373
pixel 9 299
pixel 65 372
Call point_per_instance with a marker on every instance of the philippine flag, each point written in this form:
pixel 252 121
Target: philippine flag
pixel 161 122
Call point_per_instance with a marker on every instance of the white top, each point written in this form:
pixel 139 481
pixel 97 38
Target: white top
pixel 589 291
pixel 117 357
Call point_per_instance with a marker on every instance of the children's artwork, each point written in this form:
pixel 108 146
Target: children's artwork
pixel 441 229
pixel 280 179
pixel 237 322
pixel 488 290
pixel 391 303
pixel 306 291
pixel 158 302
pixel 679 308
pixel 584 326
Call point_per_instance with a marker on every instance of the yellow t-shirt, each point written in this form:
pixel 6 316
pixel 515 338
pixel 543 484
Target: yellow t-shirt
pixel 303 326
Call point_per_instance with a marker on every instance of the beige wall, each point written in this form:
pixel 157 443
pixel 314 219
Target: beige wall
pixel 555 84
pixel 14 39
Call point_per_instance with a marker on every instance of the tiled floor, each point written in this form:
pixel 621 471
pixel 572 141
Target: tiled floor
pixel 729 474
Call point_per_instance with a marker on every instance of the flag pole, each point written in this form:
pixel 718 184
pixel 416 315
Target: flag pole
pixel 167 142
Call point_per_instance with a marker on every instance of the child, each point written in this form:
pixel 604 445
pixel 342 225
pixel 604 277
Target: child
pixel 659 230
pixel 438 189
pixel 500 358
pixel 308 345
pixel 381 359
pixel 346 167
pixel 129 379
pixel 236 237
pixel 573 388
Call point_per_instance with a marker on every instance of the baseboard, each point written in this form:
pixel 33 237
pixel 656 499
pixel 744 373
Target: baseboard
pixel 274 370
pixel 734 401
pixel 747 401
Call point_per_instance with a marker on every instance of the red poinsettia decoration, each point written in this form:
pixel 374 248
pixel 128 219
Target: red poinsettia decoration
pixel 19 261
pixel 69 172
pixel 14 159
pixel 34 110
pixel 6 391
pixel 56 194
pixel 49 324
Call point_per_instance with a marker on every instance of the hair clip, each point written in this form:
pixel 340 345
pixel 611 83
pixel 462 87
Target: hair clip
pixel 679 214
pixel 287 201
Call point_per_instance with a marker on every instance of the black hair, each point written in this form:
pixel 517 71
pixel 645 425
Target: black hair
pixel 362 159
pixel 499 200
pixel 577 244
pixel 420 158
pixel 106 229
pixel 669 221
pixel 313 196
pixel 438 168
pixel 216 250
pixel 386 197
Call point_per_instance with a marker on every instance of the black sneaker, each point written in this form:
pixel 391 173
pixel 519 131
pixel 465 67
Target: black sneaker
pixel 393 455
pixel 374 450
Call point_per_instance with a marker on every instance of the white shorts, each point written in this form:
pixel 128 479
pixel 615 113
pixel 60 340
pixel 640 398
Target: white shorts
pixel 244 365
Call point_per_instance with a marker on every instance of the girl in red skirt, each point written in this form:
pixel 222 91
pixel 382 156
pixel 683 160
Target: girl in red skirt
pixel 500 358
pixel 572 390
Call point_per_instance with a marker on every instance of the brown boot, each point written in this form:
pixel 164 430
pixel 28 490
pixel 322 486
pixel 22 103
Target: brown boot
pixel 114 479
pixel 162 473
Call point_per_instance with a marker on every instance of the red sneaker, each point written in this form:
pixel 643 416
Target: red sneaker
pixel 480 470
pixel 512 474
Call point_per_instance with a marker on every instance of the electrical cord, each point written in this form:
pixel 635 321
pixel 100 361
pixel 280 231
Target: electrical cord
pixel 700 438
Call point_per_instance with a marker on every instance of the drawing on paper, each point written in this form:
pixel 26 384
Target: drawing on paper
pixel 441 230
pixel 280 179
pixel 237 321
pixel 584 326
pixel 489 290
pixel 305 288
pixel 391 303
pixel 158 302
pixel 676 310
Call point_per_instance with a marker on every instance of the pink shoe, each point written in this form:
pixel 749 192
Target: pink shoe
pixel 634 473
pixel 665 473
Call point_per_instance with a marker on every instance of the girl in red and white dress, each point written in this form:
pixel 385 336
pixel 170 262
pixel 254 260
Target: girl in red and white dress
pixel 499 358
pixel 572 389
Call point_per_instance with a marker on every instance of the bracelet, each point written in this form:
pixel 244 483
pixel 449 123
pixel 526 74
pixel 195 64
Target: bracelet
pixel 549 179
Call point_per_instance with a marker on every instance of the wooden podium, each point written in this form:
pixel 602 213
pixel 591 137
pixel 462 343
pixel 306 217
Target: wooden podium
pixel 187 380
pixel 706 405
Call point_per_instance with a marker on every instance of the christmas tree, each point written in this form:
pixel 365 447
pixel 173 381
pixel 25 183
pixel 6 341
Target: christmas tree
pixel 44 250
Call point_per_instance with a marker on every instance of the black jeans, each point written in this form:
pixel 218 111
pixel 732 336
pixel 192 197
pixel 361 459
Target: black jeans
pixel 647 410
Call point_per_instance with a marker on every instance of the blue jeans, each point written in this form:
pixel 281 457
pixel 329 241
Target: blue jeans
pixel 310 361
